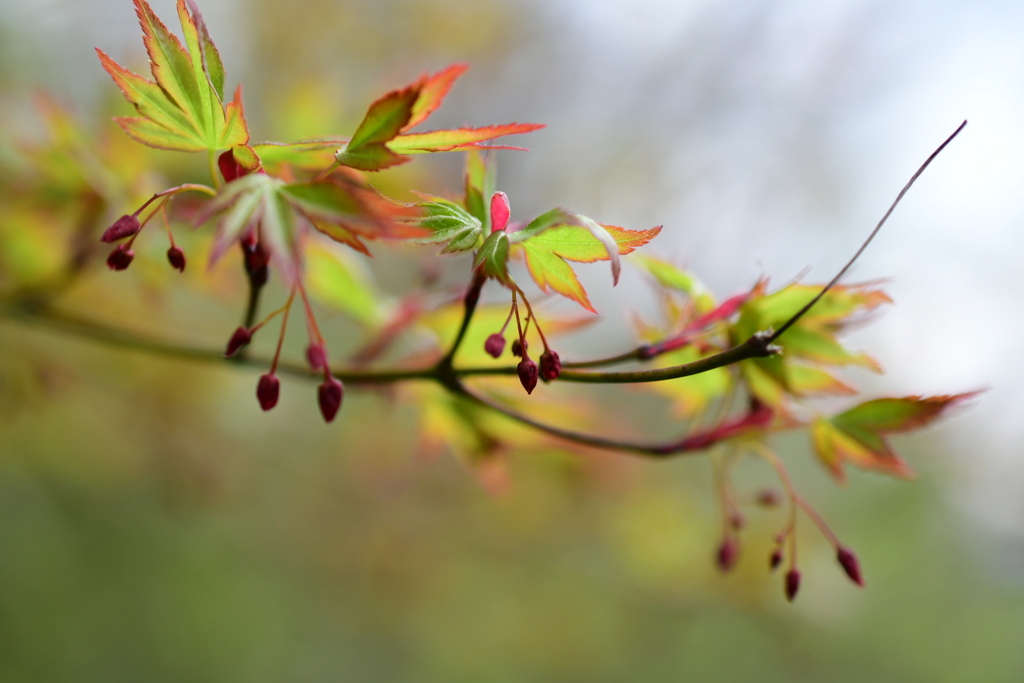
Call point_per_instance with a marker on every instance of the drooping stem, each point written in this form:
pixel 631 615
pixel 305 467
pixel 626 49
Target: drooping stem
pixel 683 445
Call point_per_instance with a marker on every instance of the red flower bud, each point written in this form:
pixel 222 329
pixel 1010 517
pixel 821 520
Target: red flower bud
pixel 256 259
pixel 500 211
pixel 768 498
pixel 268 391
pixel 240 338
pixel 519 346
pixel 329 395
pixel 792 583
pixel 850 565
pixel 494 345
pixel 120 258
pixel 527 374
pixel 727 553
pixel 550 365
pixel 316 354
pixel 775 560
pixel 176 257
pixel 125 226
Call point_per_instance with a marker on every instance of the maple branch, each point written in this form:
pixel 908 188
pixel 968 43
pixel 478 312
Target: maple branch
pixel 639 353
pixel 33 313
pixel 757 346
pixel 687 444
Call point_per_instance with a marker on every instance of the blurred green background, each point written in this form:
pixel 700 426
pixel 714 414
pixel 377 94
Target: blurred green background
pixel 155 526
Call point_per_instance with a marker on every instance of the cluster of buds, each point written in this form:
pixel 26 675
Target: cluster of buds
pixel 529 370
pixel 330 392
pixel 128 227
pixel 785 541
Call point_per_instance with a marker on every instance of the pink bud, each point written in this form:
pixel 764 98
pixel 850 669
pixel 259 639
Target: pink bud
pixel 120 258
pixel 527 374
pixel 316 354
pixel 240 338
pixel 176 257
pixel 775 560
pixel 768 498
pixel 329 395
pixel 125 226
pixel 727 553
pixel 494 345
pixel 519 346
pixel 850 565
pixel 268 390
pixel 500 211
pixel 792 583
pixel 550 365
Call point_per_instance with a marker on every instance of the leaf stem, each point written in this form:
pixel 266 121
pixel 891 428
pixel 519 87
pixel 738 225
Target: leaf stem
pixel 211 158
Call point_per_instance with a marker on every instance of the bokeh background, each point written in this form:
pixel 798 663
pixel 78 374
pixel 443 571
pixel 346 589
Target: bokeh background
pixel 155 526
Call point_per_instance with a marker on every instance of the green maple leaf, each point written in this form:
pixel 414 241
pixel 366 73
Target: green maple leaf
pixel 479 185
pixel 812 341
pixel 557 237
pixel 381 141
pixel 340 280
pixel 183 108
pixel 492 257
pixel 672 277
pixel 858 435
pixel 448 222
pixel 279 212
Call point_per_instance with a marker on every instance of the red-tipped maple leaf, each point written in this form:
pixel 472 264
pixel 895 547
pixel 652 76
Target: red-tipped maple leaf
pixel 858 435
pixel 183 108
pixel 381 141
pixel 552 240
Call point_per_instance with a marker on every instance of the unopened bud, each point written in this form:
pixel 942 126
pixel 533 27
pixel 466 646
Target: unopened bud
pixel 176 257
pixel 792 583
pixel 329 396
pixel 775 559
pixel 240 338
pixel 727 553
pixel 120 258
pixel 518 346
pixel 268 390
pixel 494 345
pixel 125 226
pixel 316 354
pixel 550 365
pixel 527 369
pixel 256 256
pixel 500 211
pixel 768 498
pixel 850 565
